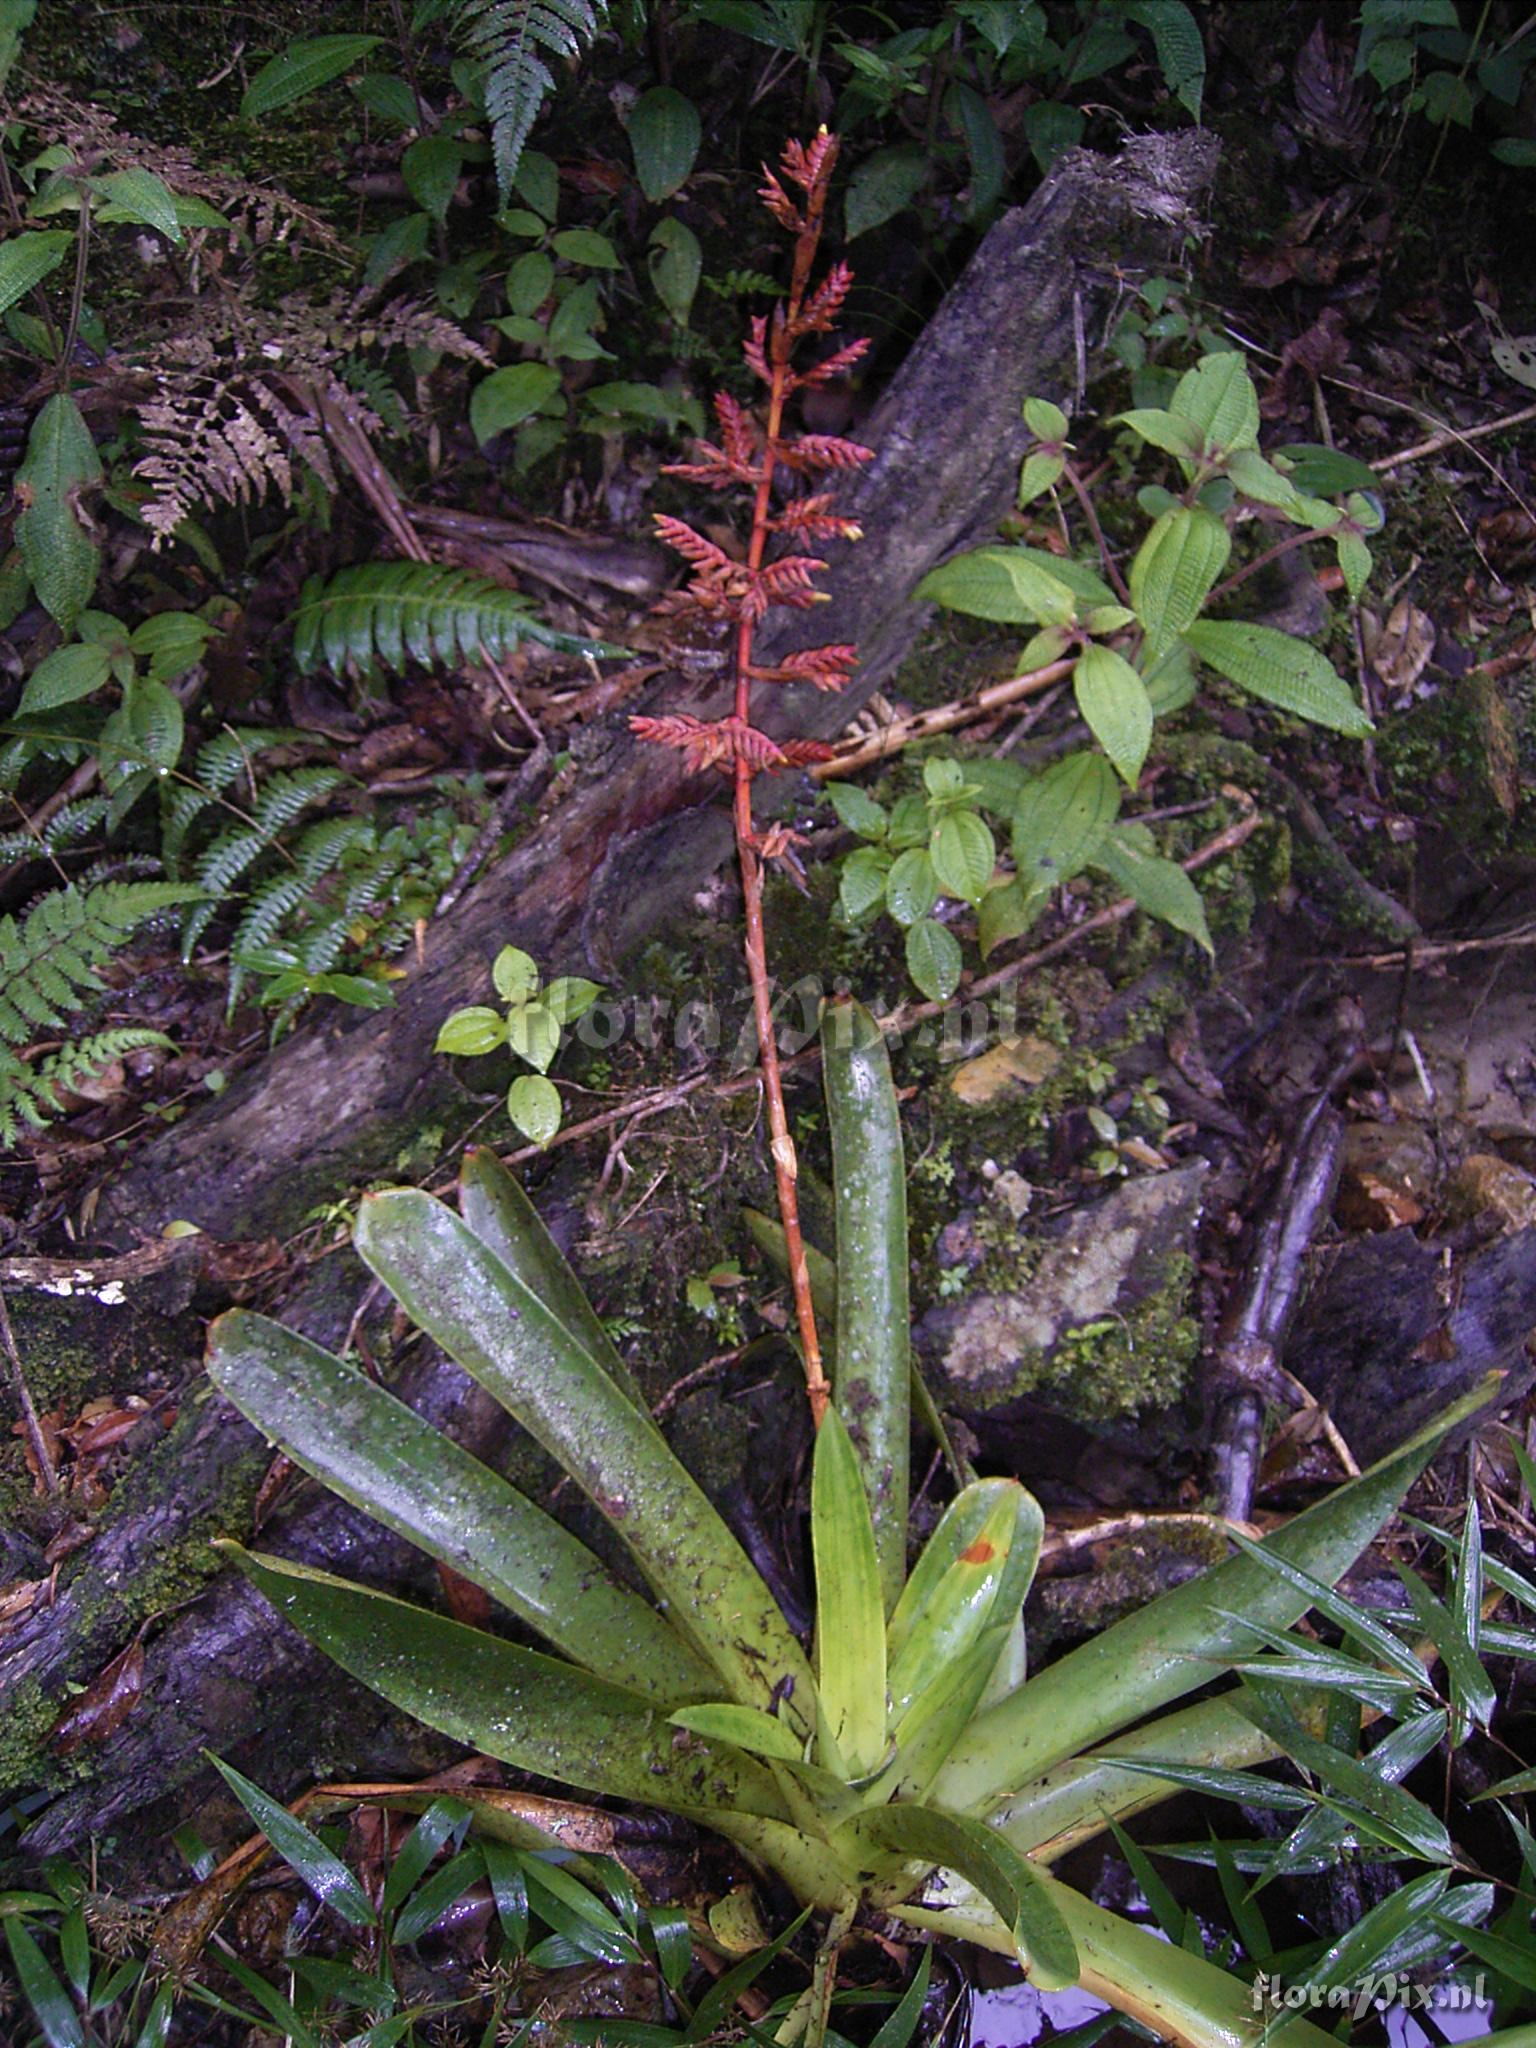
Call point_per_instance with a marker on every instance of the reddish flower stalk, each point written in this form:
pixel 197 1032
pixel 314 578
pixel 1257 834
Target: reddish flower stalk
pixel 750 453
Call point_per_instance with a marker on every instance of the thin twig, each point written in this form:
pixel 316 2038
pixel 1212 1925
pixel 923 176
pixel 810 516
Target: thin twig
pixel 16 1373
pixel 855 754
pixel 1450 436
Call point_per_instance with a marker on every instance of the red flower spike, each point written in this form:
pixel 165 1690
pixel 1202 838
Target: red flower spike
pixel 823 451
pixel 804 753
pixel 814 516
pixel 823 305
pixel 779 203
pixel 828 668
pixel 833 366
pixel 809 164
pixel 692 546
pixel 754 348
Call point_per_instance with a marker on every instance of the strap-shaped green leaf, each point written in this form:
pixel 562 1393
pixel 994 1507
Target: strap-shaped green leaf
pixel 746 1728
pixel 376 1453
pixel 530 1710
pixel 874 1354
pixel 1170 1646
pixel 960 1588
pixel 850 1613
pixel 1019 1894
pixel 493 1204
pixel 942 1711
pixel 541 1371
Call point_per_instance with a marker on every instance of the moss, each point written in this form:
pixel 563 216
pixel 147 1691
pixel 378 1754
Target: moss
pixel 1138 1569
pixel 1112 1365
pixel 24 1728
pixel 107 1615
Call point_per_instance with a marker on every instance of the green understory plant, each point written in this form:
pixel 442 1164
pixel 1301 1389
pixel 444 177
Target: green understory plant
pixel 50 972
pixel 909 1768
pixel 537 1014
pixel 1132 644
pixel 90 1966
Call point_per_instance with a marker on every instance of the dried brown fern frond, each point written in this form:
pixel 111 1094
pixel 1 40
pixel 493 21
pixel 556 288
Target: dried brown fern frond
pixel 264 214
pixel 240 395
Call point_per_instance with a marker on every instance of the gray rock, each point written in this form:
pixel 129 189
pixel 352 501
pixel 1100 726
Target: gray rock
pixel 1095 1321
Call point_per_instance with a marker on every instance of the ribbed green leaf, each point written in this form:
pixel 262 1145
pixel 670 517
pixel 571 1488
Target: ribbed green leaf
pixel 1020 1895
pixel 542 1373
pixel 529 1710
pixel 25 260
pixel 850 1613
pixel 664 133
pixel 1281 669
pixel 963 855
pixel 372 1450
pixel 303 67
pixel 1174 572
pixel 1218 399
pixel 1163 430
pixel 1114 703
pixel 64 676
pixel 934 959
pixel 874 1354
pixel 1160 886
pixel 1174 1644
pixel 1061 819
pixel 56 546
pixel 509 396
pixel 1002 584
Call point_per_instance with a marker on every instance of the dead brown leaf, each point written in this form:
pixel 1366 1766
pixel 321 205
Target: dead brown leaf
pixel 105 1704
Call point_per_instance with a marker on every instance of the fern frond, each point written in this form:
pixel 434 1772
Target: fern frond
pixel 279 801
pixel 29 1094
pixel 388 613
pixel 507 36
pixel 48 960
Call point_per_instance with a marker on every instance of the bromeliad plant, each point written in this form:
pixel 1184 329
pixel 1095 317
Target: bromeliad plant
pixel 907 1766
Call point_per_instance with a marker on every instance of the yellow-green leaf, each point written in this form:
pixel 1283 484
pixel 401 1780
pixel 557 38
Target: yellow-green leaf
pixel 850 1614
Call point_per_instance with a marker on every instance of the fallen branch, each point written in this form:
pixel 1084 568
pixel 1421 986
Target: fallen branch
pixel 854 754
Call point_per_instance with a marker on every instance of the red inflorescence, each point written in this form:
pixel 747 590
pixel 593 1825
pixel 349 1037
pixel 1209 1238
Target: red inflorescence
pixel 742 588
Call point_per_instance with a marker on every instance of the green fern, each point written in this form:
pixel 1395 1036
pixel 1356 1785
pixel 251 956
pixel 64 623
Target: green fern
pixel 49 963
pixel 279 802
pixel 508 37
pixel 29 1095
pixel 70 822
pixel 50 958
pixel 388 613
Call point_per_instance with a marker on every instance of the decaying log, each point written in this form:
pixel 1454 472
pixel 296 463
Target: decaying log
pixel 613 852
pixel 327 1107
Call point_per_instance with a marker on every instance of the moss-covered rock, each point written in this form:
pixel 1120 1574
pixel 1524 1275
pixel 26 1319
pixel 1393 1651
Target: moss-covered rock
pixel 1092 1319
